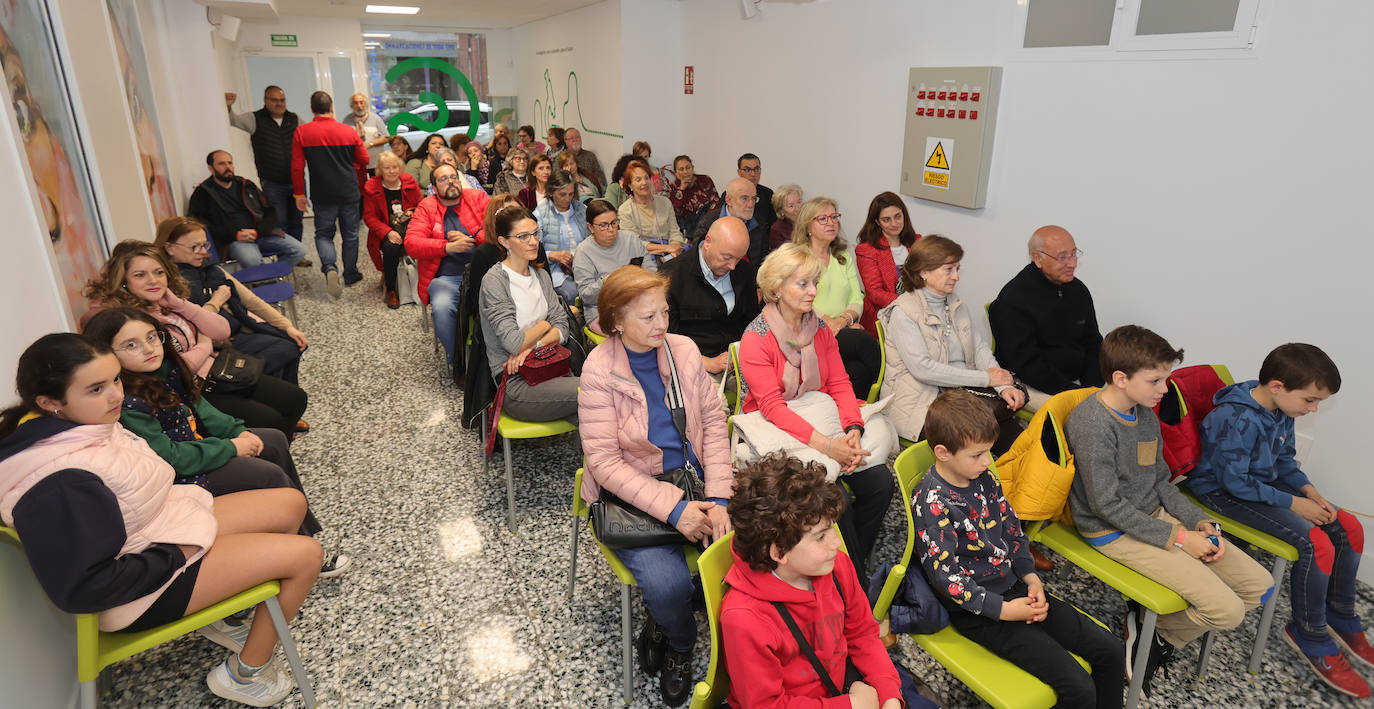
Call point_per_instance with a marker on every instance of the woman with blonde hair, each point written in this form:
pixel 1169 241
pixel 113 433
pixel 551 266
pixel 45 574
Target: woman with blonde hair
pixel 630 437
pixel 839 295
pixel 788 353
pixel 932 344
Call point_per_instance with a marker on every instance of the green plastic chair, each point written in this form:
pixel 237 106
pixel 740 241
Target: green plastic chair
pixel 739 381
pixel 580 517
pixel 96 650
pixel 507 428
pixel 1284 553
pixel 1155 598
pixel 594 337
pixel 995 680
pixel 712 566
pixel 882 364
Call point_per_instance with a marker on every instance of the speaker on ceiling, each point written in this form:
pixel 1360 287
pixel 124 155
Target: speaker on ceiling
pixel 229 27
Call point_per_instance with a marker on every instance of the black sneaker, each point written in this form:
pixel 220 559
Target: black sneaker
pixel 675 681
pixel 1134 615
pixel 651 644
pixel 1161 654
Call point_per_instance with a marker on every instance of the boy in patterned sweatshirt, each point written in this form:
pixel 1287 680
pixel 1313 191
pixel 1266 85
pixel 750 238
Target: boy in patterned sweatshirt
pixel 977 559
pixel 1249 471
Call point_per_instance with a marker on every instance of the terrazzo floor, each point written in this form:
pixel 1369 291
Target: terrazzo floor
pixel 445 607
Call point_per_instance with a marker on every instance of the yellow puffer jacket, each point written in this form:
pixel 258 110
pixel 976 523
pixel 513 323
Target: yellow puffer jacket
pixel 1038 470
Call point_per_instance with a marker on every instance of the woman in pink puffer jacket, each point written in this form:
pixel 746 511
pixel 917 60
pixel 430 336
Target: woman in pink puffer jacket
pixel 107 532
pixel 629 436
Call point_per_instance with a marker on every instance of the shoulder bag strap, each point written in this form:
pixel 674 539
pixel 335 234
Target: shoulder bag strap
pixel 807 649
pixel 677 405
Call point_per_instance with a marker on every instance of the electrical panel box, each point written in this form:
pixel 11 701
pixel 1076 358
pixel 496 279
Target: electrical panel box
pixel 951 115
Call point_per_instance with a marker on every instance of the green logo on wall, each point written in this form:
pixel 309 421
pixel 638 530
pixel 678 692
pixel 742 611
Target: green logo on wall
pixel 441 106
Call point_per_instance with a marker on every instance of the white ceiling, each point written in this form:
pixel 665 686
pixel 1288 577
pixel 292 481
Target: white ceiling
pixel 468 14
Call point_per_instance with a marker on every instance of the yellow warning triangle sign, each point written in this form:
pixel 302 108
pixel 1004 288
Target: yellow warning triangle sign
pixel 937 158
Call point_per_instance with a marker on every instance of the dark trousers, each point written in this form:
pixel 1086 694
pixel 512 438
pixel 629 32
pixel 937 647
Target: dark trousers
pixel 862 360
pixel 274 467
pixel 1043 648
pixel 391 260
pixel 281 356
pixel 270 403
pixel 284 204
pixel 866 501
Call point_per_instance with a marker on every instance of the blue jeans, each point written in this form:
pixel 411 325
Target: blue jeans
pixel 283 201
pixel 1321 586
pixel 443 300
pixel 669 592
pixel 251 253
pixel 346 215
pixel 567 289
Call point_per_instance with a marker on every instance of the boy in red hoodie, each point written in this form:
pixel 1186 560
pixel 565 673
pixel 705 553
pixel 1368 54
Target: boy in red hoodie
pixel 788 562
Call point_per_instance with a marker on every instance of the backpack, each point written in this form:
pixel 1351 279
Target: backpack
pixel 1181 412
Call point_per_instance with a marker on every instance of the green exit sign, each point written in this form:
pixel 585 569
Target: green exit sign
pixel 283 40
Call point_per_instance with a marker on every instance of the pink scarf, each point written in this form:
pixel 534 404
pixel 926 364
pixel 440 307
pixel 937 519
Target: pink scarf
pixel 803 371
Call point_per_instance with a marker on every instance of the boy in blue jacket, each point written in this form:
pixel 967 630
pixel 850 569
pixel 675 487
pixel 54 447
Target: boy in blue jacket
pixel 1248 471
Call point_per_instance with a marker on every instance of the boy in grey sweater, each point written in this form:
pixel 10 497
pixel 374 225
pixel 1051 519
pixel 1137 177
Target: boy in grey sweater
pixel 1124 505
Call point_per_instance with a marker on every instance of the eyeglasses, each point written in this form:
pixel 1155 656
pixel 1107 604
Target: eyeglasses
pixel 751 170
pixel 445 179
pixel 828 219
pixel 525 236
pixel 606 226
pixel 202 247
pixel 135 345
pixel 1065 257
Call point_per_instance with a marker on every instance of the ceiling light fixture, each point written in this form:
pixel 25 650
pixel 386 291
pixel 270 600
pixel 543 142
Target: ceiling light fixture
pixel 376 34
pixel 392 9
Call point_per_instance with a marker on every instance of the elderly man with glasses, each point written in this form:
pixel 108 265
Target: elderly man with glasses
pixel 242 223
pixel 1044 322
pixel 741 201
pixel 443 231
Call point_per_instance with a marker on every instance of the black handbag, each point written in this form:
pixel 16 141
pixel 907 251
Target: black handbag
pixel 233 371
pixel 620 525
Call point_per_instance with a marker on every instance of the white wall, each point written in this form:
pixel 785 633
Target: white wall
pixel 1219 202
pixel 654 104
pixel 594 35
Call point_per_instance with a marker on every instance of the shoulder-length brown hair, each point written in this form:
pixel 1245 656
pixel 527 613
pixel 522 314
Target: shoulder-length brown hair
pixel 531 181
pixel 108 288
pixel 106 324
pixel 930 253
pixel 872 232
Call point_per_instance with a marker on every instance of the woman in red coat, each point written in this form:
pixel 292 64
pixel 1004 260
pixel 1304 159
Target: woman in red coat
pixel 883 242
pixel 388 201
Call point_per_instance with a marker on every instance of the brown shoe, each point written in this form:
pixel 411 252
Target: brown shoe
pixel 393 300
pixel 302 426
pixel 1041 563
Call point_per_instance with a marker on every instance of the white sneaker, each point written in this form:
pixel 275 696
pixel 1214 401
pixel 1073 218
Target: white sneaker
pixel 227 635
pixel 338 565
pixel 266 688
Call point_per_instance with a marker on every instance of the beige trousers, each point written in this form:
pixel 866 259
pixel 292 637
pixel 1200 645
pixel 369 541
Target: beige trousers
pixel 1218 593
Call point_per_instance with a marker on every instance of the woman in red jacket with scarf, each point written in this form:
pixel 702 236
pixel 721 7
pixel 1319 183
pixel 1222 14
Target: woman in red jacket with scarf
pixel 389 200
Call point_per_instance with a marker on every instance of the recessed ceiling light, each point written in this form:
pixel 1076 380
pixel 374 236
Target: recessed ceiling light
pixel 392 9
pixel 376 34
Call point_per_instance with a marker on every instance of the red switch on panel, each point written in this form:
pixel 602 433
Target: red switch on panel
pixel 921 110
pixel 941 112
pixel 962 113
pixel 942 95
pixel 973 115
pixel 975 95
pixel 920 94
pixel 963 95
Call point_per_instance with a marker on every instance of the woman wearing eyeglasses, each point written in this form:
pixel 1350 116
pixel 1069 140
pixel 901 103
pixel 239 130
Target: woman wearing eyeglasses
pixel 839 296
pixel 608 249
pixel 933 345
pixel 520 313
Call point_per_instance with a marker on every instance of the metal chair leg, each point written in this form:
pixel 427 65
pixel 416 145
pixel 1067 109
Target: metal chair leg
pixel 1147 631
pixel 626 655
pixel 89 695
pixel 572 558
pixel 1205 653
pixel 486 459
pixel 510 486
pixel 291 311
pixel 293 658
pixel 424 317
pixel 1267 616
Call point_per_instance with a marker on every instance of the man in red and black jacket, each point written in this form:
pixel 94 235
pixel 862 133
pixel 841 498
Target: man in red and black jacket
pixel 338 164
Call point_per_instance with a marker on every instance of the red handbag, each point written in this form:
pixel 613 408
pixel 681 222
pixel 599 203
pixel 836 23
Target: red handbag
pixel 545 363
